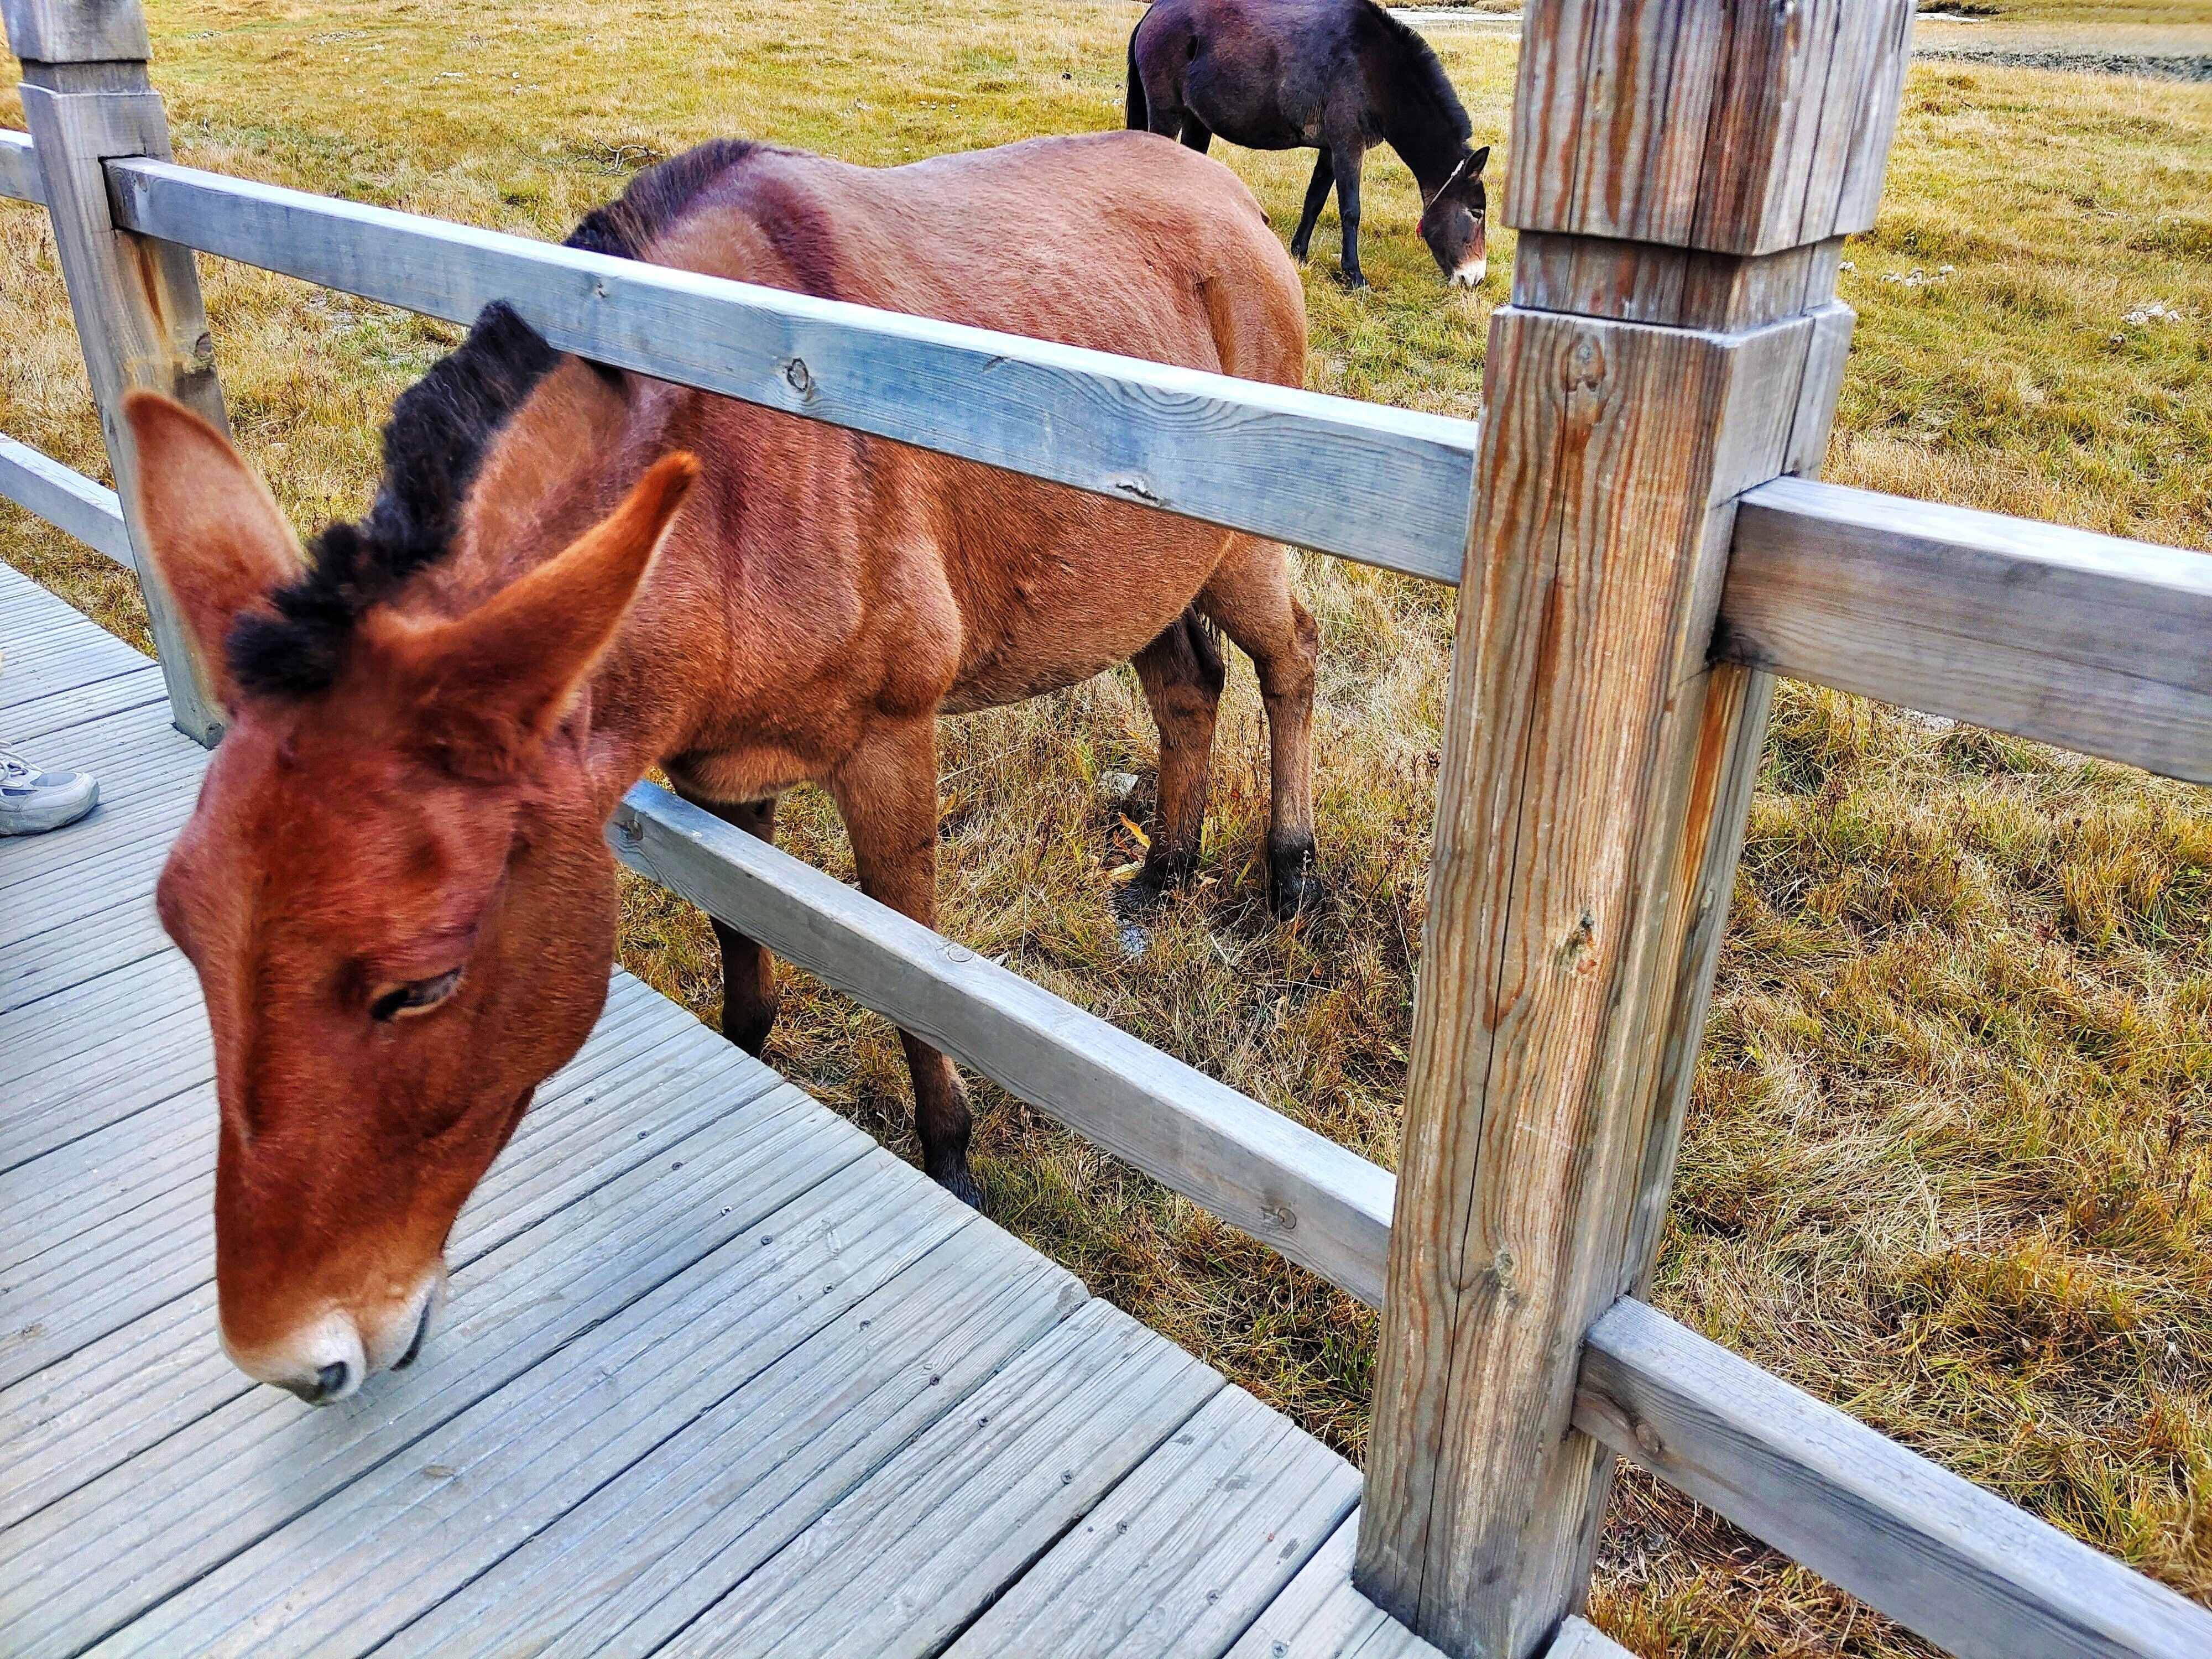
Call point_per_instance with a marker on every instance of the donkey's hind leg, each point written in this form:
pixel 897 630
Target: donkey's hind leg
pixel 1181 676
pixel 1196 135
pixel 748 1006
pixel 1249 595
pixel 1324 175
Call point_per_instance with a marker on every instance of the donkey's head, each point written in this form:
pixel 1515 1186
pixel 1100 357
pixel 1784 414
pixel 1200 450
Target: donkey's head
pixel 1455 222
pixel 396 894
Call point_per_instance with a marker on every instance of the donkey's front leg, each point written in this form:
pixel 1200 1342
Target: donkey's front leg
pixel 886 793
pixel 749 1005
pixel 1349 161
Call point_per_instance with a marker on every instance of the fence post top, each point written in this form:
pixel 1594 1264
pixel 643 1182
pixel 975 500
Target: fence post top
pixel 1734 126
pixel 76 31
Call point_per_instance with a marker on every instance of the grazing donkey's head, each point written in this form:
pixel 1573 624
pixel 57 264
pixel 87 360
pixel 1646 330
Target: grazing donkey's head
pixel 1455 222
pixel 394 887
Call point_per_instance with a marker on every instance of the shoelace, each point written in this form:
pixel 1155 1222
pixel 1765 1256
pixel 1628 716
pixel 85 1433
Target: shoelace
pixel 13 767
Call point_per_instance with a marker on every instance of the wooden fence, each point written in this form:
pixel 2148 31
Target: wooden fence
pixel 1639 558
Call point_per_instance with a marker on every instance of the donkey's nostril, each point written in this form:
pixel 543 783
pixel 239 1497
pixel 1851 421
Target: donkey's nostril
pixel 332 1377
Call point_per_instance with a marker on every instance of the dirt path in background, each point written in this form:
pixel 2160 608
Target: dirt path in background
pixel 2156 51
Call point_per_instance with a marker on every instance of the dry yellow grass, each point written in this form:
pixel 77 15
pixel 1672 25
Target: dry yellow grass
pixel 1949 1160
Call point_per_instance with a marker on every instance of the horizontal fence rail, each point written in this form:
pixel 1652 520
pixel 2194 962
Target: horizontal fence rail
pixel 1322 1206
pixel 1933 1550
pixel 65 499
pixel 2091 642
pixel 1385 486
pixel 2097 644
pixel 19 168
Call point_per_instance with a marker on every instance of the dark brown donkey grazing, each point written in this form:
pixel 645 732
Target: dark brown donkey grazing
pixel 1341 75
pixel 394 887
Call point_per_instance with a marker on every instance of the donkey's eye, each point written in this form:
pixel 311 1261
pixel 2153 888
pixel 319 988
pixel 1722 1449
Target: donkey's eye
pixel 424 994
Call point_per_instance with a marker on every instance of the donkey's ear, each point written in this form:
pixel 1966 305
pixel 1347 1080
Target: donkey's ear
pixel 485 690
pixel 1480 156
pixel 217 537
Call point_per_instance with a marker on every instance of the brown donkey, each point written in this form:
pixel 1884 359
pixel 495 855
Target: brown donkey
pixel 394 887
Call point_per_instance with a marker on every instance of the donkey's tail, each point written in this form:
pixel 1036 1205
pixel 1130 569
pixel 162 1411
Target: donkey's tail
pixel 1140 114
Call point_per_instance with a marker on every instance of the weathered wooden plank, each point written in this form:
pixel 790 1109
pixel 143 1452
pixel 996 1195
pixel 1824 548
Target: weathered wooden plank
pixel 137 302
pixel 596 1118
pixel 96 1178
pixel 2091 642
pixel 97 940
pixel 1578 1638
pixel 99 1556
pixel 909 1558
pixel 641 1557
pixel 42 721
pixel 394 1540
pixel 75 31
pixel 19 168
pixel 1320 1615
pixel 1322 1206
pixel 1384 486
pixel 67 500
pixel 110 1274
pixel 58 874
pixel 113 1007
pixel 52 657
pixel 1936 1552
pixel 1186 1551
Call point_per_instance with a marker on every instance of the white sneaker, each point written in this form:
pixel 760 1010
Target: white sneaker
pixel 33 802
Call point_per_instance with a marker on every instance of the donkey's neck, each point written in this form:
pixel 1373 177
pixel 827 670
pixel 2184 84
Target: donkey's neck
pixel 1424 123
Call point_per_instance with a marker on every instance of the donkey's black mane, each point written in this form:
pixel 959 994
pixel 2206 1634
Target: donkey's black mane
pixel 440 430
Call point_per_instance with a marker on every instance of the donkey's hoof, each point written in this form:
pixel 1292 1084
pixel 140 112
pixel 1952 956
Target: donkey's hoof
pixel 749 1034
pixel 962 1186
pixel 1351 281
pixel 1293 888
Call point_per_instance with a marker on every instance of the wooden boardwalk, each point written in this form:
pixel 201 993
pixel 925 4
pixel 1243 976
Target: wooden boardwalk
pixel 718 1374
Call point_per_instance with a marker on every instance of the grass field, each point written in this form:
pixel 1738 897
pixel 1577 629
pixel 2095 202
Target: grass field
pixel 1949 1164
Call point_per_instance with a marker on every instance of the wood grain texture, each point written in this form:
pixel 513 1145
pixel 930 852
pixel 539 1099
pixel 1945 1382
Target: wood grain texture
pixel 1322 1206
pixel 1320 1615
pixel 1587 775
pixel 1937 1554
pixel 65 499
pixel 76 31
pixel 1739 126
pixel 1679 288
pixel 910 1560
pixel 654 1549
pixel 1384 486
pixel 139 317
pixel 2091 642
pixel 19 168
pixel 1185 1551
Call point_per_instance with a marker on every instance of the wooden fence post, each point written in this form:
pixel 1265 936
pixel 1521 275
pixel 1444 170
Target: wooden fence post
pixel 139 319
pixel 1682 173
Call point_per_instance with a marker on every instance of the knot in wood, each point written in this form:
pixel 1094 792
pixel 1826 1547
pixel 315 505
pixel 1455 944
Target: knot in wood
pixel 800 377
